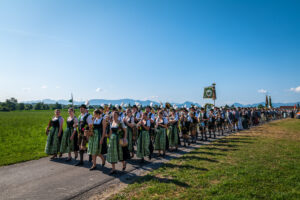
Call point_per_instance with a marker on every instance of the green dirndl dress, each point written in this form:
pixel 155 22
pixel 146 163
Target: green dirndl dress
pixel 115 151
pixel 143 143
pixel 160 139
pixel 129 139
pixel 94 145
pixel 67 145
pixel 53 144
pixel 173 135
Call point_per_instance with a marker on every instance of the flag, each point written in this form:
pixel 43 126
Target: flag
pixel 267 102
pixel 71 100
pixel 208 92
pixel 270 102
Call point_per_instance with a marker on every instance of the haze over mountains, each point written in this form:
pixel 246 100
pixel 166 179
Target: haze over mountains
pixel 145 102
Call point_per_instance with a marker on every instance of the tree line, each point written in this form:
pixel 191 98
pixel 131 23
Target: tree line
pixel 12 104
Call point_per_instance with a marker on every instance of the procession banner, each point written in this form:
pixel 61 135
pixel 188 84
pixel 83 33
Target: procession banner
pixel 208 92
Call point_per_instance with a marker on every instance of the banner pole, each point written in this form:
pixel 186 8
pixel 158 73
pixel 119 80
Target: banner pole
pixel 214 93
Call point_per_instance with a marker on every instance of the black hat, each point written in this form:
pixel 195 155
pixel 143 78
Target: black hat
pixel 192 107
pixel 83 106
pixel 114 108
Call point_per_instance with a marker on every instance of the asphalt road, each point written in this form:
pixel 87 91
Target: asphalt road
pixel 44 179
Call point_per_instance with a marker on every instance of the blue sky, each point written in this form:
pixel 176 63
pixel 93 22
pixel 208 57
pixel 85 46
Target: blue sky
pixel 160 50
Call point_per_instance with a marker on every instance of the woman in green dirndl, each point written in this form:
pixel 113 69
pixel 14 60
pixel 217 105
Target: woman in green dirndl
pixel 96 138
pixel 143 140
pixel 161 135
pixel 54 131
pixel 193 126
pixel 129 122
pixel 173 131
pixel 69 138
pixel 116 151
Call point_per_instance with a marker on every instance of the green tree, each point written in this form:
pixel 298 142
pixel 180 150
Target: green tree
pixel 260 106
pixel 11 104
pixel 57 106
pixel 3 107
pixel 21 106
pixel 46 107
pixel 39 106
pixel 28 107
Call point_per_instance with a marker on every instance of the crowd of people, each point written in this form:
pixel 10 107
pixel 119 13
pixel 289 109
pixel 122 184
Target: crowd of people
pixel 116 135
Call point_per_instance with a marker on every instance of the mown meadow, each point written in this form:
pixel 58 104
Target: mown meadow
pixel 22 134
pixel 261 163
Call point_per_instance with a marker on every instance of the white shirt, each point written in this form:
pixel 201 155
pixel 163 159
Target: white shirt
pixel 98 121
pixel 165 120
pixel 129 120
pixel 152 116
pixel 148 123
pixel 116 125
pixel 137 115
pixel 89 119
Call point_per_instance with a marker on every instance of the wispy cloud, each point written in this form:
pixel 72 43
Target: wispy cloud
pixel 35 35
pixel 19 32
pixel 99 90
pixel 150 98
pixel 26 89
pixel 57 87
pixel 154 97
pixel 44 86
pixel 263 91
pixel 296 89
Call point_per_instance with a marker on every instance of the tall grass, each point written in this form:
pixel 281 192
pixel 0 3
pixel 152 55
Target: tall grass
pixel 22 135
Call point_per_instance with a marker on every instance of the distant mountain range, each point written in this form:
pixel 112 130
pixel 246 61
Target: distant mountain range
pixel 106 101
pixel 263 103
pixel 144 103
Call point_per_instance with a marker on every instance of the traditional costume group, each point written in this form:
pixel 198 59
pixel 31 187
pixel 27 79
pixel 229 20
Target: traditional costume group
pixel 116 135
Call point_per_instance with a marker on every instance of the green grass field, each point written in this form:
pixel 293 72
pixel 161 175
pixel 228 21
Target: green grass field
pixel 262 163
pixel 22 135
